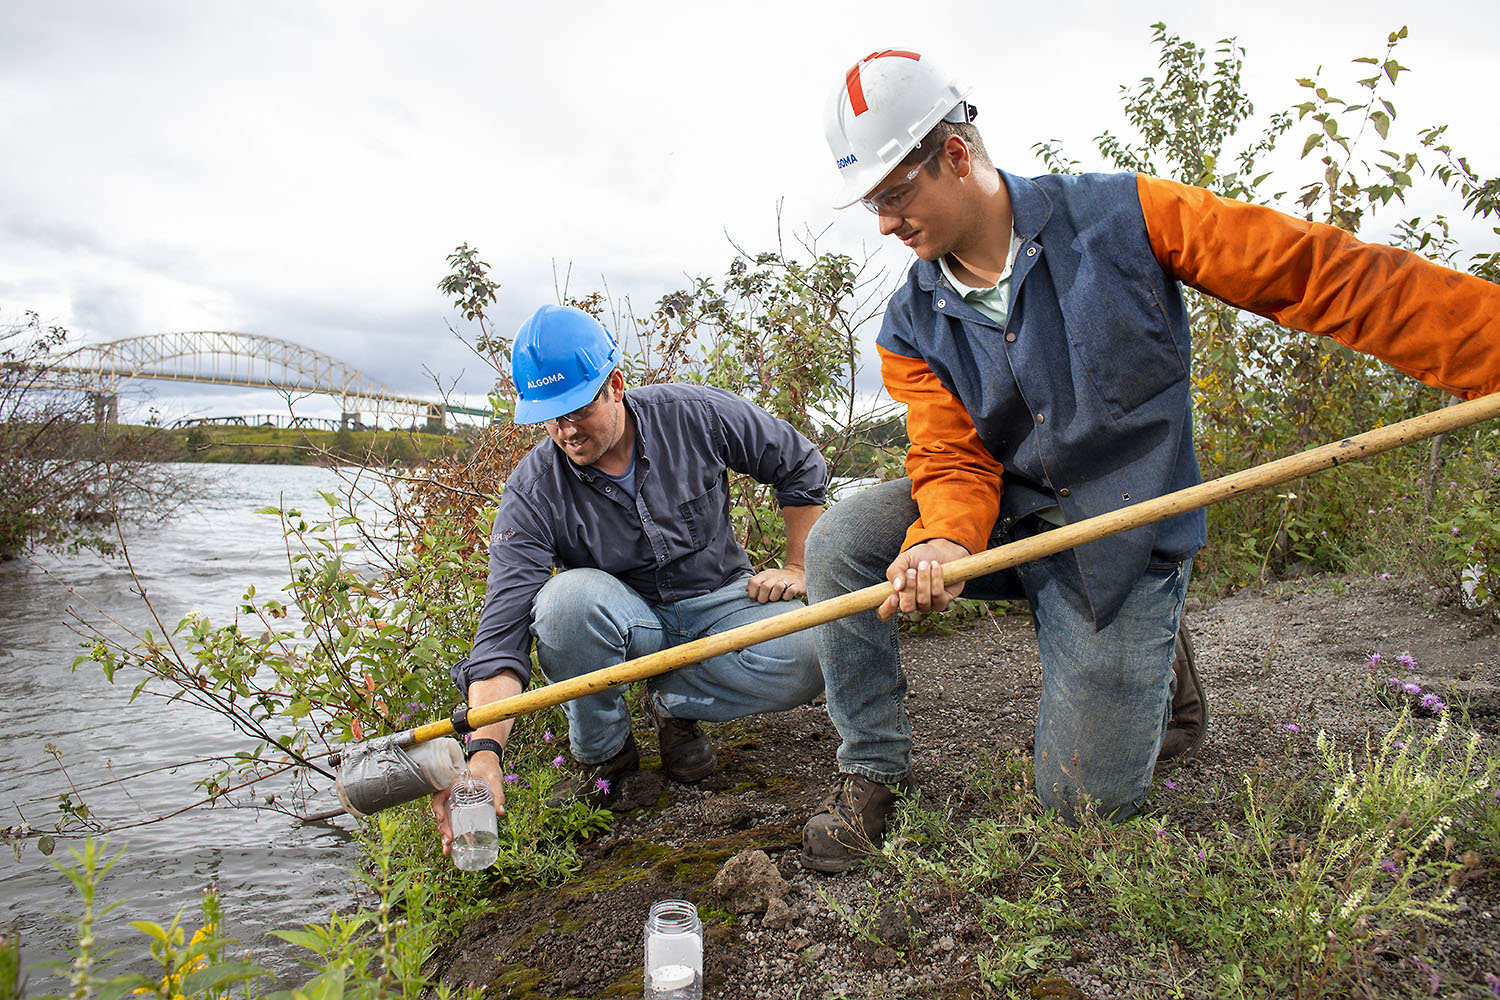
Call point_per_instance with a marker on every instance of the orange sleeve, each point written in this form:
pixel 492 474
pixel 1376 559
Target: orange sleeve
pixel 954 478
pixel 1435 324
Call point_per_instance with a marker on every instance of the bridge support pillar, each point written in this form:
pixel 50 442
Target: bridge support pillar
pixel 349 421
pixel 437 418
pixel 106 407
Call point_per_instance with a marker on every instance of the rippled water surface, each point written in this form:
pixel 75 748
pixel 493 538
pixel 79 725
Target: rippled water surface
pixel 271 870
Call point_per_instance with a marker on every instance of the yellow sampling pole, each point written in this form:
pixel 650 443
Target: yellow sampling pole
pixel 1069 536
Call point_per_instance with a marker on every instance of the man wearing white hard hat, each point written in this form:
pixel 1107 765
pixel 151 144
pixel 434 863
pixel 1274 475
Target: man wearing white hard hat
pixel 1041 347
pixel 613 540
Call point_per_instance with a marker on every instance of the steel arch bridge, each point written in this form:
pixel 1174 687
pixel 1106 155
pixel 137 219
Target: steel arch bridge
pixel 216 357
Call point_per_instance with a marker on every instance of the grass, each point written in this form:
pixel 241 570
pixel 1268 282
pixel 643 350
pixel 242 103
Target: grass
pixel 1309 886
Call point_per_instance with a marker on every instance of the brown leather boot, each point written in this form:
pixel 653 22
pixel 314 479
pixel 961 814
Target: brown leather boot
pixel 849 824
pixel 1189 722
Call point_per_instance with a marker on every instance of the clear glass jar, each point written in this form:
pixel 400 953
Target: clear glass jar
pixel 674 951
pixel 471 814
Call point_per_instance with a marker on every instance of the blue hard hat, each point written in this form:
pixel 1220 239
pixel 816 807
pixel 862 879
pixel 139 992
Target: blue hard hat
pixel 561 358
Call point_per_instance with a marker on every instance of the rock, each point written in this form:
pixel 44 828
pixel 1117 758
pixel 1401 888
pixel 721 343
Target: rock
pixel 726 811
pixel 749 881
pixel 894 924
pixel 778 915
pixel 638 790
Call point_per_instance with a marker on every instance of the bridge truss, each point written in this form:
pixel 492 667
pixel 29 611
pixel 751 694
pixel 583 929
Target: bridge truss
pixel 215 357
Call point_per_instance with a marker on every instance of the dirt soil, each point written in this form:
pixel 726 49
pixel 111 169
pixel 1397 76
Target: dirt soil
pixel 1294 654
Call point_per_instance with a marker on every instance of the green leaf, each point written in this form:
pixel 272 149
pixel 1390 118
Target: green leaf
pixel 1313 142
pixel 210 979
pixel 46 845
pixel 1381 121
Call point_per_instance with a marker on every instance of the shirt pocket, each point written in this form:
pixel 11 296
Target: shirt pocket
pixel 1125 341
pixel 704 514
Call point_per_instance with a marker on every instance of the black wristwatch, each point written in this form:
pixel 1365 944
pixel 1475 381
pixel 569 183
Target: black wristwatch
pixel 476 746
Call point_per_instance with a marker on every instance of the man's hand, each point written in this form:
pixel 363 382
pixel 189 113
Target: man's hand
pixel 917 579
pixel 486 767
pixel 778 584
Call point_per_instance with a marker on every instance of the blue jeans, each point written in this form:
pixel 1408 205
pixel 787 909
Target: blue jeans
pixel 1106 694
pixel 585 619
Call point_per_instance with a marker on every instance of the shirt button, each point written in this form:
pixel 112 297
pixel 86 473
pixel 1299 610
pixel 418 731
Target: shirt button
pixel 942 303
pixel 1010 338
pixel 1064 492
pixel 1041 418
pixel 1031 251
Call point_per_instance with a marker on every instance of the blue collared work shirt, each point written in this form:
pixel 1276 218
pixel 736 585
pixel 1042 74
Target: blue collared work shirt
pixel 674 540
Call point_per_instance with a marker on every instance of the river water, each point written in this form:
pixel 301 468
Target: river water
pixel 271 870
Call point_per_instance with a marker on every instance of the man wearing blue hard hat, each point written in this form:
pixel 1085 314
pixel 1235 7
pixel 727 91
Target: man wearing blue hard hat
pixel 628 502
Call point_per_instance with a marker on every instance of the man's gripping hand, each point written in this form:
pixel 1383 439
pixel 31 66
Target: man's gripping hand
pixel 917 579
pixel 778 584
pixel 484 766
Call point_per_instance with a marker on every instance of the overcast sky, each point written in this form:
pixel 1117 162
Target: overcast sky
pixel 302 169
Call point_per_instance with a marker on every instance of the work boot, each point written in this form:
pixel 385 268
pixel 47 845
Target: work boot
pixel 850 823
pixel 597 784
pixel 686 754
pixel 1189 722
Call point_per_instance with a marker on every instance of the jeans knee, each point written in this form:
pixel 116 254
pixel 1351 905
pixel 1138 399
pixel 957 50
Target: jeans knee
pixel 573 607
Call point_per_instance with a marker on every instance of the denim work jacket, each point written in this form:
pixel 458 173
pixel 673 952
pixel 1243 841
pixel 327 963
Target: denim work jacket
pixel 673 541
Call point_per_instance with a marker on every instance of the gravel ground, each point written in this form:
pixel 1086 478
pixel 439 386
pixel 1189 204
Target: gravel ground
pixel 1295 654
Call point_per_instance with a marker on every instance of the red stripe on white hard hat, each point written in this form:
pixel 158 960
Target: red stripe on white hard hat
pixel 856 89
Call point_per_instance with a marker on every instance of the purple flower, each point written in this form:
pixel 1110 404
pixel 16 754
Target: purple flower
pixel 547 737
pixel 1161 832
pixel 1433 703
pixel 603 785
pixel 557 761
pixel 1411 688
pixel 1455 531
pixel 1388 866
pixel 511 779
pixel 1374 660
pixel 1385 576
pixel 1170 784
pixel 1452 483
pixel 1395 683
pixel 1493 981
pixel 1407 659
pixel 1292 727
pixel 1400 744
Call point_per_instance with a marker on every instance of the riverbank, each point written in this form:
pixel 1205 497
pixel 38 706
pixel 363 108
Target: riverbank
pixel 982 888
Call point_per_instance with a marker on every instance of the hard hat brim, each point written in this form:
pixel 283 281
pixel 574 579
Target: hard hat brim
pixel 541 410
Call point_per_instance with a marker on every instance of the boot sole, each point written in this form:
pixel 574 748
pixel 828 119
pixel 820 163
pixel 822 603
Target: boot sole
pixel 691 775
pixel 828 866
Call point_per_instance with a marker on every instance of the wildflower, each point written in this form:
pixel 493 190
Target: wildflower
pixel 1292 727
pixel 1411 688
pixel 1374 660
pixel 603 785
pixel 1161 832
pixel 1433 703
pixel 1452 483
pixel 1385 576
pixel 1455 531
pixel 1388 865
pixel 557 761
pixel 1407 659
pixel 511 779
pixel 547 737
pixel 1171 784
pixel 1201 855
pixel 1400 744
pixel 1493 982
pixel 1370 511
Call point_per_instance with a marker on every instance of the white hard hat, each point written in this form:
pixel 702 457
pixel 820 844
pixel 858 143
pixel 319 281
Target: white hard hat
pixel 888 101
